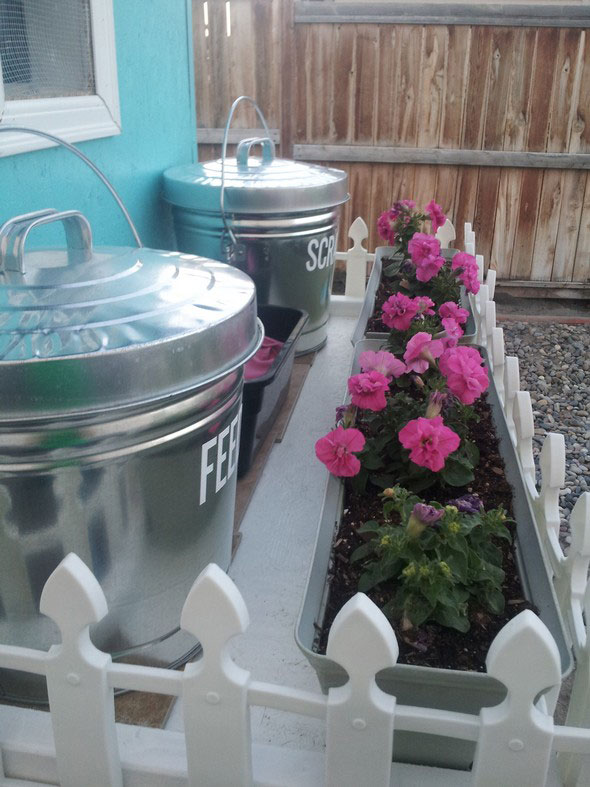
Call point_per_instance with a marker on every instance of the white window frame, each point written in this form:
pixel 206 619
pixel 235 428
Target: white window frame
pixel 75 118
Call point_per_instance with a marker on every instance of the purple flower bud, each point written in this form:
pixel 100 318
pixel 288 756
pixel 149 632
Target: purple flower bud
pixel 421 517
pixel 427 514
pixel 467 504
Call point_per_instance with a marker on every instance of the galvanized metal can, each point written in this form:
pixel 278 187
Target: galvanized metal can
pixel 279 224
pixel 120 405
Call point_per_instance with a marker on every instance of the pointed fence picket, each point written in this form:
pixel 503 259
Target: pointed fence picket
pixel 514 740
pixel 356 258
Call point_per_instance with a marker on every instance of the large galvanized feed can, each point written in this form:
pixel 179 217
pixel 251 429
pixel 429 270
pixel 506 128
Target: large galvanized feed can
pixel 279 224
pixel 120 397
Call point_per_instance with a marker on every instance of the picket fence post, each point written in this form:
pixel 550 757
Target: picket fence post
pixel 491 283
pixel 524 423
pixel 481 270
pixel 552 466
pixel 360 717
pixel 498 358
pixel 511 386
pixel 482 301
pixel 215 689
pixel 446 234
pixel 356 260
pixel 81 702
pixel 515 740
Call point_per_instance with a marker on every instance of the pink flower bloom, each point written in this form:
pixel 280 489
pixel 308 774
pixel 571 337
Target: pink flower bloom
pixel 449 341
pixel 423 246
pixel 428 268
pixel 407 204
pixel 336 451
pixel 384 362
pixel 399 311
pixel 450 309
pixel 426 305
pixel 437 217
pixel 368 390
pixel 386 225
pixel 466 379
pixel 452 327
pixel 421 351
pixel 429 442
pixel 466 265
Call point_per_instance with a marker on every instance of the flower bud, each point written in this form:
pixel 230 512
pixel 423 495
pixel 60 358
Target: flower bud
pixel 435 404
pixel 422 515
pixel 389 492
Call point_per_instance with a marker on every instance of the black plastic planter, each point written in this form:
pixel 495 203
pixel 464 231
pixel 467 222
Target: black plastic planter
pixel 264 397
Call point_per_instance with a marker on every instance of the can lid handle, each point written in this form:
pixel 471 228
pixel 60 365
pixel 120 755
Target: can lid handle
pixel 14 234
pixel 246 145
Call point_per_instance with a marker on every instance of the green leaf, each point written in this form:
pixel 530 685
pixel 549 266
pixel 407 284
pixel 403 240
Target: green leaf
pixel 371 461
pixel 456 472
pixel 362 552
pixel 417 608
pixel 493 599
pixel 452 617
pixel 471 452
pixel 358 482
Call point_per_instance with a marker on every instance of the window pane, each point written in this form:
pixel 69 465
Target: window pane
pixel 46 48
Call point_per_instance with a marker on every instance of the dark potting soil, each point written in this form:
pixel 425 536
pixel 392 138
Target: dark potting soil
pixel 434 645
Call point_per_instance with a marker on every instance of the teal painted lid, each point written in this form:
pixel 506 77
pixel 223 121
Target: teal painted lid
pixel 255 185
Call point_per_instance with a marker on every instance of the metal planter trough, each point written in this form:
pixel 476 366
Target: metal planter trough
pixel 463 692
pixel 360 330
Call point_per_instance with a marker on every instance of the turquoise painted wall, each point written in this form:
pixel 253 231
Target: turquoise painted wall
pixel 156 90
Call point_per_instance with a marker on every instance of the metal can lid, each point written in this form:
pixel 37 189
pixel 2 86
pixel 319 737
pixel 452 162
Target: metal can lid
pixel 126 326
pixel 276 186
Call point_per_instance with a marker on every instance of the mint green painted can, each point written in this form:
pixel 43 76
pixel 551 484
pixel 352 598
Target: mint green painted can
pixel 279 225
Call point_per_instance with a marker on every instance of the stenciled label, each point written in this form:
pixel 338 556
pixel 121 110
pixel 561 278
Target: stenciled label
pixel 219 458
pixel 320 253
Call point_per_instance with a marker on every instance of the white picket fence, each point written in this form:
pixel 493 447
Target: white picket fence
pixel 516 740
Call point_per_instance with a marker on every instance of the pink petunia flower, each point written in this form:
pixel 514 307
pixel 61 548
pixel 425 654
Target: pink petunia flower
pixel 336 450
pixel 452 327
pixel 426 305
pixel 450 309
pixel 462 369
pixel 386 225
pixel 399 311
pixel 423 246
pixel 421 351
pixel 382 361
pixel 466 265
pixel 428 268
pixel 437 217
pixel 429 442
pixel 368 390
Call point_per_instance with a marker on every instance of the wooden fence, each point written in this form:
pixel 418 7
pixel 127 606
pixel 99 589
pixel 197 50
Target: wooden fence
pixel 493 122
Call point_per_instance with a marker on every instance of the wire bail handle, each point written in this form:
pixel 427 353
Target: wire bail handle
pixel 229 248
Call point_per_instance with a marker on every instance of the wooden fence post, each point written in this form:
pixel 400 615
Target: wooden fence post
pixel 514 746
pixel 215 689
pixel 81 702
pixel 491 283
pixel 360 717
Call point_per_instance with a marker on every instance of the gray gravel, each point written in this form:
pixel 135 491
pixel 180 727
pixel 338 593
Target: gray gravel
pixel 554 361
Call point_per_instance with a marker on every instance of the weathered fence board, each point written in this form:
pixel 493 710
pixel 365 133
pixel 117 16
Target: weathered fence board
pixel 461 110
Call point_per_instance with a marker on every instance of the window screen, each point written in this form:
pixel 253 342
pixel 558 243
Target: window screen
pixel 46 48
